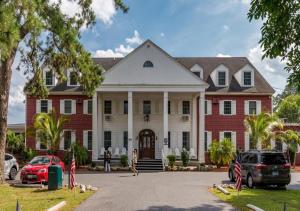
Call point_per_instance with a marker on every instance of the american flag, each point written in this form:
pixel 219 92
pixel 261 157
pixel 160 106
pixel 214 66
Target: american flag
pixel 238 175
pixel 72 185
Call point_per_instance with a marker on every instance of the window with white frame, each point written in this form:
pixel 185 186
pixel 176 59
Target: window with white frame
pixel 44 106
pixel 221 78
pixel 185 107
pixel 67 139
pixel 49 79
pixel 107 139
pixel 107 107
pixel 72 81
pixel 125 139
pixel 227 135
pixel 148 64
pixel 186 140
pixel 90 140
pixel 252 107
pixel 227 107
pixel 247 76
pixel 68 107
pixel 146 107
pixel 90 106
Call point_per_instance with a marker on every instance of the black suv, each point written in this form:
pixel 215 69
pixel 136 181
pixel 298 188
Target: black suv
pixel 262 168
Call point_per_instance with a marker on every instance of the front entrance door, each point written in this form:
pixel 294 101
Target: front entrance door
pixel 147 144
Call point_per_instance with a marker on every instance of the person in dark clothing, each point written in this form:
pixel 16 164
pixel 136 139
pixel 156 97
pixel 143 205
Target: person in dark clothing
pixel 105 160
pixel 108 159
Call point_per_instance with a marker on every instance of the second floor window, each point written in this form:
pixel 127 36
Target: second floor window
pixel 147 107
pixel 44 106
pixel 48 78
pixel 107 107
pixel 221 78
pixel 247 78
pixel 227 107
pixel 252 107
pixel 68 107
pixel 125 107
pixel 185 107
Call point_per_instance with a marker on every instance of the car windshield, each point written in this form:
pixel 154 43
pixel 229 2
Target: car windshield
pixel 273 159
pixel 40 160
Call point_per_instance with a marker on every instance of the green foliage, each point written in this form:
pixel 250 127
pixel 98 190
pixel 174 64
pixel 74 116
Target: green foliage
pixel 15 143
pixel 49 128
pixel 221 152
pixel 185 158
pixel 171 160
pixel 289 108
pixel 261 127
pixel 280 32
pixel 80 153
pixel 29 153
pixel 289 89
pixel 124 160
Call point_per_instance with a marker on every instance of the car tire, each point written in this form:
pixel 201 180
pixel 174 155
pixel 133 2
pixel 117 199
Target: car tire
pixel 231 176
pixel 281 187
pixel 13 173
pixel 250 183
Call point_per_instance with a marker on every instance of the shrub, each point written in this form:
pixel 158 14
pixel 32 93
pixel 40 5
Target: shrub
pixel 171 160
pixel 221 153
pixel 29 153
pixel 93 165
pixel 80 153
pixel 124 160
pixel 185 158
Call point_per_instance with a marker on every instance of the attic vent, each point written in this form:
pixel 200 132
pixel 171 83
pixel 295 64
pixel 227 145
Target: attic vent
pixel 148 64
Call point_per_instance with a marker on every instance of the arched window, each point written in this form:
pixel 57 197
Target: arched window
pixel 148 64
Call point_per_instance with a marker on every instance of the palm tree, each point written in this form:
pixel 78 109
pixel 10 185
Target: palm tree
pixel 261 127
pixel 291 139
pixel 14 142
pixel 49 128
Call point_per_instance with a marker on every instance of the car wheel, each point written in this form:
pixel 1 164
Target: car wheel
pixel 281 187
pixel 13 173
pixel 231 177
pixel 250 183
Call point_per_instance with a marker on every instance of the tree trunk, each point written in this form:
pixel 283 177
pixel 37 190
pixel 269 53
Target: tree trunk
pixel 5 80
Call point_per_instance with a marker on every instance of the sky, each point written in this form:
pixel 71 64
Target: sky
pixel 180 27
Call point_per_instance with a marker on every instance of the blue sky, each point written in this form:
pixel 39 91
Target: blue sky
pixel 180 27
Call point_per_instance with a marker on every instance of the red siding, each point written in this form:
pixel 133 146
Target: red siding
pixel 78 121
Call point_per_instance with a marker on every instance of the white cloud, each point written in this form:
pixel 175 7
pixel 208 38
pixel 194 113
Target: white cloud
pixel 104 9
pixel 136 39
pixel 123 49
pixel 226 28
pixel 16 95
pixel 223 55
pixel 162 34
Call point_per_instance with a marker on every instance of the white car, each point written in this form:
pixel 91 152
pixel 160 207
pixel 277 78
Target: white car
pixel 11 166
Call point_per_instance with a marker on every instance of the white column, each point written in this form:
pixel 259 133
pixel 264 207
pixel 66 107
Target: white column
pixel 166 126
pixel 201 152
pixel 95 152
pixel 130 127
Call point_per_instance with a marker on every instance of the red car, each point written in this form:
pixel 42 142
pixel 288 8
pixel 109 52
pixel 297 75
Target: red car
pixel 36 171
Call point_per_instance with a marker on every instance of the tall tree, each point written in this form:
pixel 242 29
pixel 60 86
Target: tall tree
pixel 289 109
pixel 44 37
pixel 280 32
pixel 289 89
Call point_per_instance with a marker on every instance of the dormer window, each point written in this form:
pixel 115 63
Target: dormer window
pixel 222 78
pixel 49 78
pixel 148 64
pixel 72 79
pixel 247 78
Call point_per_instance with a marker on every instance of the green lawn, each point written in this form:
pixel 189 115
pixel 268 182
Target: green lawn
pixel 35 199
pixel 266 199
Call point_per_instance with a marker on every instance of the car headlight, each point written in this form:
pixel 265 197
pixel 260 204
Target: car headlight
pixel 43 170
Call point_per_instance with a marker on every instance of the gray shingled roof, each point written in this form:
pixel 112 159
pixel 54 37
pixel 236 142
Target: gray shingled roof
pixel 208 64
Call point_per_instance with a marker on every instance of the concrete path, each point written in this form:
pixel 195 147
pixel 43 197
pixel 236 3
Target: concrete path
pixel 153 191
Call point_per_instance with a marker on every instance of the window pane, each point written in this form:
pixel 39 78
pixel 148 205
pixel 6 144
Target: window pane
pixel 252 107
pixel 44 106
pixel 273 159
pixel 107 139
pixel 205 107
pixel 125 107
pixel 90 107
pixel 125 139
pixel 222 78
pixel 49 78
pixel 90 140
pixel 186 140
pixel 67 140
pixel 205 142
pixel 169 107
pixel 73 81
pixel 185 107
pixel 247 78
pixel 68 106
pixel 107 107
pixel 148 64
pixel 227 135
pixel 227 107
pixel 169 139
pixel 147 107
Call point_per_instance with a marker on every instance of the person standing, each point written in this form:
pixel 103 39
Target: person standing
pixel 108 160
pixel 105 161
pixel 134 162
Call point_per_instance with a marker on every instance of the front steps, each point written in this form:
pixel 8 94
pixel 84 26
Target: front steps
pixel 149 165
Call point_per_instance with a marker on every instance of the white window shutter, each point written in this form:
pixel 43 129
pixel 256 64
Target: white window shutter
pixel 246 107
pixel 233 139
pixel 62 106
pixel 85 138
pixel 73 136
pixel 73 106
pixel 258 144
pixel 258 107
pixel 49 105
pixel 38 106
pixel 221 136
pixel 209 137
pixel 246 141
pixel 62 142
pixel 221 107
pixel 179 108
pixel 233 107
pixel 209 107
pixel 37 142
pixel 284 147
pixel 298 148
pixel 85 106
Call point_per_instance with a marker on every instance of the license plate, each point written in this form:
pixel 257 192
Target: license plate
pixel 275 173
pixel 31 176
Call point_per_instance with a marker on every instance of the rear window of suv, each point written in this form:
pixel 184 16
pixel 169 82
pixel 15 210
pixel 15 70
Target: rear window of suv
pixel 273 159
